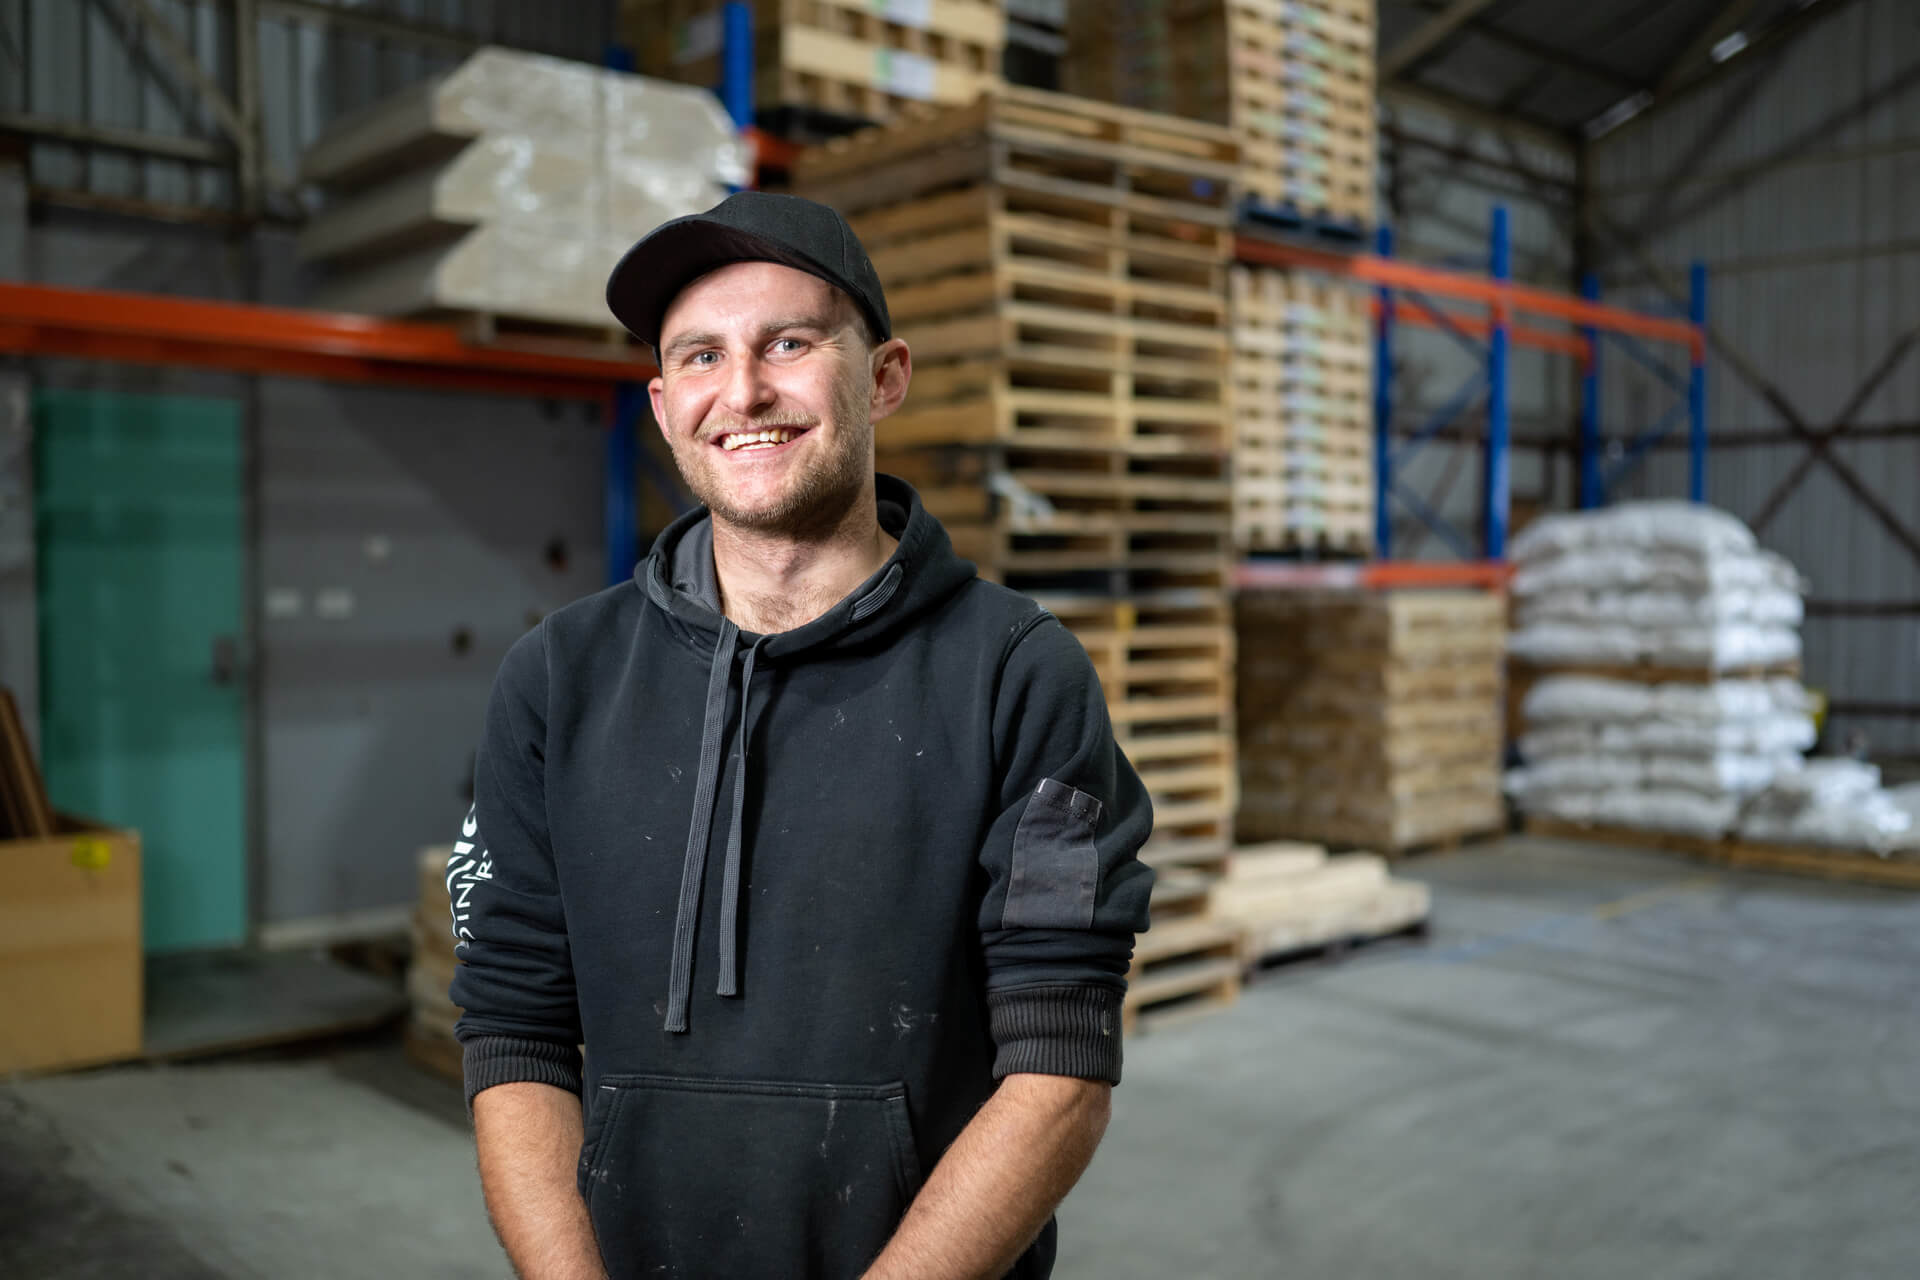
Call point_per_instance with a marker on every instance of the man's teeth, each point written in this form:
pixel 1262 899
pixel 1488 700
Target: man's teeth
pixel 758 439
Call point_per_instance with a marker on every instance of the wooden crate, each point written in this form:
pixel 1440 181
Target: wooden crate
pixel 845 58
pixel 1370 718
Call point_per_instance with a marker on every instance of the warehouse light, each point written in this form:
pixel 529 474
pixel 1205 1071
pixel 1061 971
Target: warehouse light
pixel 1619 113
pixel 1728 47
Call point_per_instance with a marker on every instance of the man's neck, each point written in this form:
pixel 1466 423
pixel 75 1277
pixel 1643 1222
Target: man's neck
pixel 772 582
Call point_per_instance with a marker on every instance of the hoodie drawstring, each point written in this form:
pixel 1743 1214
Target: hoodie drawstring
pixel 705 791
pixel 693 873
pixel 730 883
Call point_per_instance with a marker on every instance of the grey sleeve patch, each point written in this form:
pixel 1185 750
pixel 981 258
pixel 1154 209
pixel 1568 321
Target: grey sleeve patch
pixel 1056 868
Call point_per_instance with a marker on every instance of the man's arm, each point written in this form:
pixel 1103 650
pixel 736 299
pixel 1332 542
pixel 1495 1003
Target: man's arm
pixel 529 1139
pixel 1000 1180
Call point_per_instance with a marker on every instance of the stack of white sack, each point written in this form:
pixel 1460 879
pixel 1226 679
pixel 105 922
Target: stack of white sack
pixel 1659 583
pixel 1676 757
pixel 1837 803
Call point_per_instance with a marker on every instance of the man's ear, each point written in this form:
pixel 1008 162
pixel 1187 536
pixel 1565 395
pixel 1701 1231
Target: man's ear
pixel 656 386
pixel 892 370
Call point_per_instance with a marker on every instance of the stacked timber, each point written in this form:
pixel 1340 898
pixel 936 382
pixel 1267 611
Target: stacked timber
pixel 1287 897
pixel 1370 718
pixel 1303 477
pixel 429 1035
pixel 821 61
pixel 1293 78
pixel 1058 268
pixel 509 187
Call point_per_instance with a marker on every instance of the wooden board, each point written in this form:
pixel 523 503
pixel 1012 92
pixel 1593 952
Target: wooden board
pixel 1393 908
pixel 27 810
pixel 1852 866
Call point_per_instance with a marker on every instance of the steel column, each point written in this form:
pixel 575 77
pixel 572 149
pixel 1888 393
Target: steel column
pixel 1497 476
pixel 619 516
pixel 736 62
pixel 1383 406
pixel 1697 387
pixel 1592 491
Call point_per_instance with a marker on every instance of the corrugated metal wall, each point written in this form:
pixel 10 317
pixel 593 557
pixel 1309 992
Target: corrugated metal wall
pixel 93 63
pixel 1797 180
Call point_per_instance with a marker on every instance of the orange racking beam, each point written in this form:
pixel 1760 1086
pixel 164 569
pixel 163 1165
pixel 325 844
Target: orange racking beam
pixel 1394 274
pixel 1382 575
pixel 151 329
pixel 1566 344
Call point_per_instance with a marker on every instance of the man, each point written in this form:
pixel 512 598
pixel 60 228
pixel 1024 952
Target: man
pixel 912 952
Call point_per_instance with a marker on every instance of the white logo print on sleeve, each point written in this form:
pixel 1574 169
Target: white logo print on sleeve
pixel 468 866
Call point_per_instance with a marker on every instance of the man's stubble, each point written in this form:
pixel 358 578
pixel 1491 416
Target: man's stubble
pixel 819 498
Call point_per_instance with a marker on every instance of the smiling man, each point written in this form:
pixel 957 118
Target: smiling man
pixel 818 843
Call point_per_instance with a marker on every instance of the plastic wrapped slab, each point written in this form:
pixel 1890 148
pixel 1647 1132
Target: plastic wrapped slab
pixel 532 271
pixel 500 91
pixel 509 175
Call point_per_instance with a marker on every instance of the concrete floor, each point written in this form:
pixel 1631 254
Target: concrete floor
pixel 1601 1064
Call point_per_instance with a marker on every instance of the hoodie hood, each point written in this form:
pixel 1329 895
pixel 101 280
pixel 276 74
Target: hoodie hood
pixel 678 578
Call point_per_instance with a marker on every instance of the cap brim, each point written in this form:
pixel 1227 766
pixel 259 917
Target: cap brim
pixel 650 275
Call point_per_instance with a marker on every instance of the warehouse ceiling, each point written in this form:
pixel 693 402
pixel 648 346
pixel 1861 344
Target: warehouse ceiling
pixel 1576 67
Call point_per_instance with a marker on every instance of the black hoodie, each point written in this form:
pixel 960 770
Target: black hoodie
pixel 805 897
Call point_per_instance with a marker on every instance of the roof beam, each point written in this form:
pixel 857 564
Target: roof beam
pixel 1778 32
pixel 1480 116
pixel 1427 37
pixel 1564 59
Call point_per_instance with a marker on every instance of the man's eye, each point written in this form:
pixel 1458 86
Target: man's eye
pixel 787 344
pixel 703 357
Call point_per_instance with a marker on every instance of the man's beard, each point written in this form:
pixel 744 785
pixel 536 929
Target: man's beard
pixel 817 499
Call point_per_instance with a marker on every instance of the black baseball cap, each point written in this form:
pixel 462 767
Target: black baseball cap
pixel 748 226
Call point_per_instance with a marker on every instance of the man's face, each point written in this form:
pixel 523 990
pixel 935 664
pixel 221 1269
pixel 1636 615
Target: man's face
pixel 766 397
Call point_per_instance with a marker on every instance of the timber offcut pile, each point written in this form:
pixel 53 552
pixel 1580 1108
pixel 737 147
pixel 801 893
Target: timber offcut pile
pixel 1288 897
pixel 1303 439
pixel 1058 268
pixel 429 1035
pixel 1370 718
pixel 1293 78
pixel 828 61
pixel 508 188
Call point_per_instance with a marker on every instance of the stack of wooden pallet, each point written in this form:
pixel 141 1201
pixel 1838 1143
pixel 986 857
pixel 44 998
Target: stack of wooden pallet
pixel 856 60
pixel 1303 475
pixel 429 1036
pixel 1058 268
pixel 1370 718
pixel 1294 78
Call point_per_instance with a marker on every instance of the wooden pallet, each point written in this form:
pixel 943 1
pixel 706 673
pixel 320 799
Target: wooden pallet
pixel 434 1052
pixel 875 62
pixel 1852 866
pixel 1179 967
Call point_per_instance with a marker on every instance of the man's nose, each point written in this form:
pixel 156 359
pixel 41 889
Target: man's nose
pixel 749 390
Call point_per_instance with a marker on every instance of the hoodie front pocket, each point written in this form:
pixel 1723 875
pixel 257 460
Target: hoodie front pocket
pixel 695 1178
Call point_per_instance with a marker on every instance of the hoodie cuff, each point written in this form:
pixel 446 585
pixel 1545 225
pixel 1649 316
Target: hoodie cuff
pixel 490 1060
pixel 1057 1031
